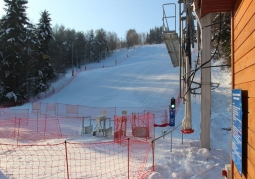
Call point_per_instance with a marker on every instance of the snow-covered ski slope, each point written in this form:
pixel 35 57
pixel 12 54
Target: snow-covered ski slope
pixel 147 79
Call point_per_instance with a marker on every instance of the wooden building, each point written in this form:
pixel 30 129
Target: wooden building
pixel 243 71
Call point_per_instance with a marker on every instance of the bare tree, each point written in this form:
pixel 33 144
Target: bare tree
pixel 132 38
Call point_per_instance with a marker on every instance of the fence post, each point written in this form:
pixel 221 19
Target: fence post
pixel 153 127
pixel 45 127
pixel 37 120
pixel 182 138
pixel 56 109
pixel 171 141
pixel 59 128
pixel 147 123
pixel 67 169
pixel 14 131
pixel 18 131
pixel 128 156
pixel 83 118
pixel 153 148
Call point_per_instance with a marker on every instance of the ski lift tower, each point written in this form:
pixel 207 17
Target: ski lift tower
pixel 174 47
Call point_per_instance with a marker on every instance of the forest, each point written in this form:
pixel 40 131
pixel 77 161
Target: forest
pixel 32 56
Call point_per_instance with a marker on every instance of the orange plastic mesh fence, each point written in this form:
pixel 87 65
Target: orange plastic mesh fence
pixel 161 115
pixel 30 129
pixel 137 125
pixel 11 113
pixel 178 101
pixel 76 160
pixel 58 109
pixel 70 126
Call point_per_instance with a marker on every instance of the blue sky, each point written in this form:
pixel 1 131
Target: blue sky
pixel 111 15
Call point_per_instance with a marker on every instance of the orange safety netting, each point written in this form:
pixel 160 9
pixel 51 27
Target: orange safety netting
pixel 28 129
pixel 76 160
pixel 136 125
pixel 58 109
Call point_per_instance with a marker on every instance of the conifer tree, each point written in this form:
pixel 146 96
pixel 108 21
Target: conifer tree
pixel 12 38
pixel 79 49
pixel 44 70
pixel 155 36
pixel 57 51
pixel 221 37
pixel 33 57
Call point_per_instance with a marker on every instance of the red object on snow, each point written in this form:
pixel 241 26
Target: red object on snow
pixel 224 173
pixel 160 125
pixel 187 131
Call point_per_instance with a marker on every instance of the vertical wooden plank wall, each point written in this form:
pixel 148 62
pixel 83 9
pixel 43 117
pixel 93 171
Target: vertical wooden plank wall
pixel 243 54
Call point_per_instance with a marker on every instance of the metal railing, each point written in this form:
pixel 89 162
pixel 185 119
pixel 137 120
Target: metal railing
pixel 171 143
pixel 167 17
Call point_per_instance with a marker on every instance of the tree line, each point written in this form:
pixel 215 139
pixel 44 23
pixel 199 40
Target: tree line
pixel 25 68
pixel 33 55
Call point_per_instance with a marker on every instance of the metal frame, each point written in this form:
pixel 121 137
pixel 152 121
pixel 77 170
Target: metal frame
pixel 170 36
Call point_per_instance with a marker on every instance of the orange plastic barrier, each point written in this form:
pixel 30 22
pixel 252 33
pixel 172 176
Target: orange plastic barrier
pixel 76 160
pixel 58 109
pixel 6 113
pixel 30 130
pixel 138 126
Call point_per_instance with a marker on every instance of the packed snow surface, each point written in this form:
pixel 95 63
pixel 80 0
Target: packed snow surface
pixel 143 77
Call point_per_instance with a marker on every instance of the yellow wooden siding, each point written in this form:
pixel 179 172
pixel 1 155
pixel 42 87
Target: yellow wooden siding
pixel 235 173
pixel 251 123
pixel 243 34
pixel 246 75
pixel 243 39
pixel 247 60
pixel 249 86
pixel 250 169
pixel 245 47
pixel 249 106
pixel 251 139
pixel 245 175
pixel 241 21
pixel 240 9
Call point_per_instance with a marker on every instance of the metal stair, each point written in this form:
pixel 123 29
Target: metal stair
pixel 170 37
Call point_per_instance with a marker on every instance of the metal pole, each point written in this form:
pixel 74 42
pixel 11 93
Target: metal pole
pixel 187 121
pixel 188 95
pixel 72 62
pixel 180 51
pixel 128 155
pixel 182 138
pixel 83 125
pixel 45 123
pixel 72 56
pixel 37 121
pixel 67 167
pixel 205 84
pixel 18 131
pixel 171 141
pixel 153 151
pixel 85 53
pixel 183 67
pixel 86 50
